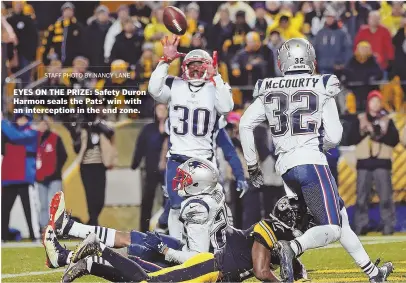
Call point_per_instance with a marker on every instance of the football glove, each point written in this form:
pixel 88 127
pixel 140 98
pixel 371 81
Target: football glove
pixel 171 49
pixel 154 242
pixel 243 187
pixel 256 178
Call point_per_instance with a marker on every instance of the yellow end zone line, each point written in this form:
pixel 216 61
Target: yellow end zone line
pixel 352 270
pixel 354 279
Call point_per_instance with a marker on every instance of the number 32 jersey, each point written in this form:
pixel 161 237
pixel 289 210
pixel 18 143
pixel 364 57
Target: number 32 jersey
pixel 302 116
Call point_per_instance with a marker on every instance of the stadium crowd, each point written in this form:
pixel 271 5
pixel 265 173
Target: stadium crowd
pixel 363 43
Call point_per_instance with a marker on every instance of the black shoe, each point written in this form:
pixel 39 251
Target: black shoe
pixel 286 255
pixel 383 273
pixel 75 270
pixel 89 246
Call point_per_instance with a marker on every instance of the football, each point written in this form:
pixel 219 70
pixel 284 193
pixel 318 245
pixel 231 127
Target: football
pixel 175 20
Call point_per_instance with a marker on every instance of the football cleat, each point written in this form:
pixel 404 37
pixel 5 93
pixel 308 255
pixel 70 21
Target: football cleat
pixel 89 246
pixel 56 254
pixel 59 219
pixel 299 271
pixel 383 273
pixel 286 255
pixel 75 270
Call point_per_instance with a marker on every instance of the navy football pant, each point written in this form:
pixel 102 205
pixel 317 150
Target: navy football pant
pixel 319 190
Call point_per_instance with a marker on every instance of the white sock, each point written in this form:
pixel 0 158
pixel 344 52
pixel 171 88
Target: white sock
pixel 353 246
pixel 69 257
pixel 174 225
pixel 318 236
pixel 102 246
pixel 105 235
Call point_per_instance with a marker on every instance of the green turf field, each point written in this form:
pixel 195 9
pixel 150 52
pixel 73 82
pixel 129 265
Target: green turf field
pixel 332 264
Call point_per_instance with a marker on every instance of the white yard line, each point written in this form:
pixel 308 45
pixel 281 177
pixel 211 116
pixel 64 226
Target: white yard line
pixel 33 273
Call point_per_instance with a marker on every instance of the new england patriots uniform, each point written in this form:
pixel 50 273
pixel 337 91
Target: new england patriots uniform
pixel 304 122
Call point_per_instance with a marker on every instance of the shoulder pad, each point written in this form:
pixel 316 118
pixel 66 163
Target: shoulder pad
pixel 264 234
pixel 257 89
pixel 332 85
pixel 195 211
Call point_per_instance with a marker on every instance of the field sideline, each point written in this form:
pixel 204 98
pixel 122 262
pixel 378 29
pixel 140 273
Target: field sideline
pixel 24 262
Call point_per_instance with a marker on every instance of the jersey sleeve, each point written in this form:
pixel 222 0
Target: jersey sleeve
pixel 160 83
pixel 333 129
pixel 257 89
pixel 252 117
pixel 264 234
pixel 195 211
pixel 332 85
pixel 224 100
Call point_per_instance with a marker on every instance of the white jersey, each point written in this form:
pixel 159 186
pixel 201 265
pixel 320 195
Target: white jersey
pixel 205 221
pixel 194 112
pixel 302 116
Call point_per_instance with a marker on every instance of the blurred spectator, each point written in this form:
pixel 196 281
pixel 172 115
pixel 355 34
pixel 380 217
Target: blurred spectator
pixel 360 71
pixel 96 153
pixel 194 25
pixel 51 156
pixel 64 37
pixel 354 16
pixel 237 6
pixel 7 36
pixel 141 11
pixel 332 45
pixel 94 38
pixel 116 28
pixel 305 8
pixel 283 25
pixel 399 66
pixel 273 8
pixel 74 77
pixel 128 45
pixel 379 38
pixel 53 80
pixel 156 30
pixel 221 31
pixel 253 62
pixel 148 147
pixel 241 29
pixel 147 62
pixel 275 41
pixel 18 168
pixel 393 15
pixel 403 136
pixel 262 19
pixel 314 20
pixel 27 35
pixel 375 135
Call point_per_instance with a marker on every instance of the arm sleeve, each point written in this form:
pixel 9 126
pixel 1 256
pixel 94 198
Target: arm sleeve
pixel 157 84
pixel 230 154
pixel 261 143
pixel 333 129
pixel 195 216
pixel 392 136
pixel 253 116
pixel 16 135
pixel 224 100
pixel 139 150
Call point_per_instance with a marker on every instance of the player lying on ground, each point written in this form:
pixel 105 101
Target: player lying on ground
pixel 196 100
pixel 303 117
pixel 203 214
pixel 246 253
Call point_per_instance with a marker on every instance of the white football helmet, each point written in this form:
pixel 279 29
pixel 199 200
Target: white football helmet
pixel 194 177
pixel 196 74
pixel 297 54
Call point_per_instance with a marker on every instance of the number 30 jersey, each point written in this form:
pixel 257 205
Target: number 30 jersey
pixel 302 116
pixel 194 112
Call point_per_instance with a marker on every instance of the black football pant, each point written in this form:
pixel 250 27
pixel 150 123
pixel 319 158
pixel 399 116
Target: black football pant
pixel 94 181
pixel 151 181
pixel 8 196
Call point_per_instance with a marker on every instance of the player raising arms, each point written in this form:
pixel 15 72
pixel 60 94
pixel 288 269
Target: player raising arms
pixel 303 117
pixel 196 100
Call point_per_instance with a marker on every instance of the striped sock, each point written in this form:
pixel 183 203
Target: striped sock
pixel 370 269
pixel 105 235
pixel 296 247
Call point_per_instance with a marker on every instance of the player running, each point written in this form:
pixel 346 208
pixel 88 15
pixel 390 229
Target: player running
pixel 246 253
pixel 196 101
pixel 303 117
